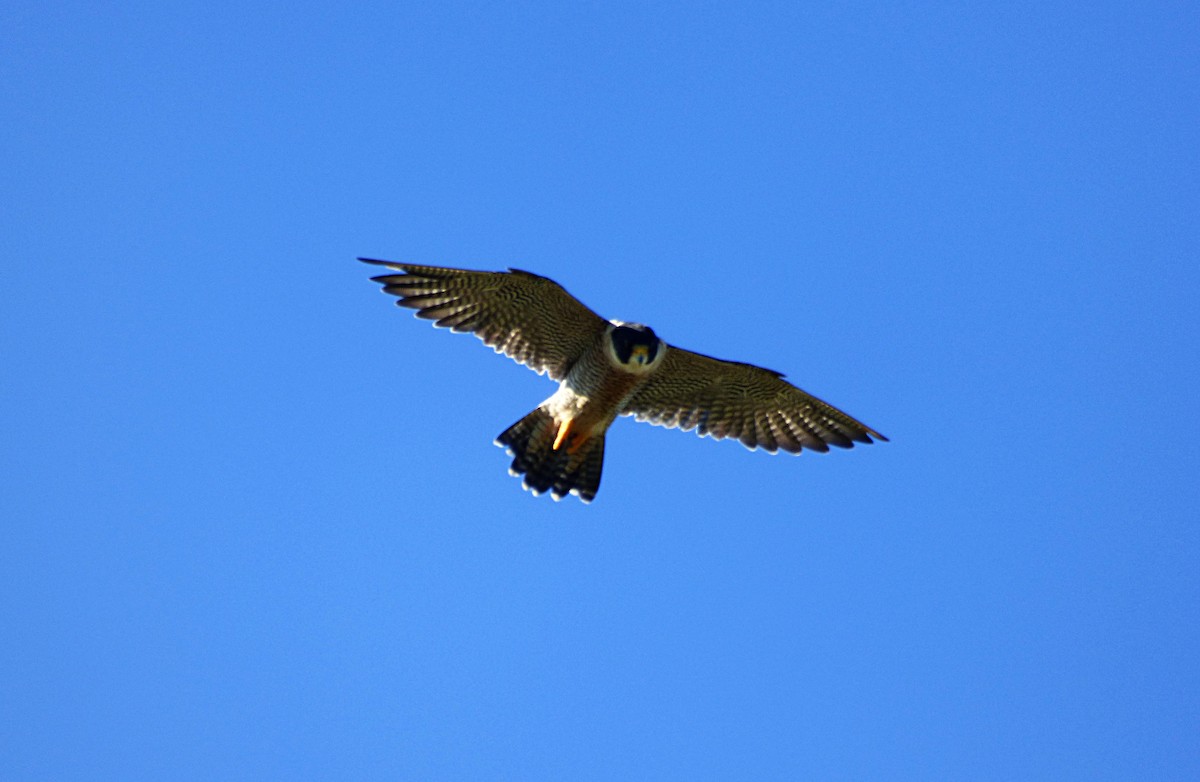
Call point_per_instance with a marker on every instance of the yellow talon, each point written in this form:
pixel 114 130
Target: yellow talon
pixel 563 430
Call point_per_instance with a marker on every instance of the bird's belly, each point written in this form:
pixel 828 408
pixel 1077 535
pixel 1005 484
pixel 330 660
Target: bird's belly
pixel 593 408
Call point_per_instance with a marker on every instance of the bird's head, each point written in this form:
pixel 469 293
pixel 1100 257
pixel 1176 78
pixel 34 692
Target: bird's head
pixel 634 347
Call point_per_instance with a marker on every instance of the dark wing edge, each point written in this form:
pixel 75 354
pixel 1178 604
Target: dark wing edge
pixel 721 399
pixel 527 317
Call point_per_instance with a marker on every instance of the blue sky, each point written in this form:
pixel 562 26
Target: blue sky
pixel 254 525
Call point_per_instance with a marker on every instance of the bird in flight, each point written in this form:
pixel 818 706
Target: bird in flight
pixel 607 368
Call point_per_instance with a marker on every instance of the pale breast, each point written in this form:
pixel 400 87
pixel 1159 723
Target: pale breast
pixel 594 392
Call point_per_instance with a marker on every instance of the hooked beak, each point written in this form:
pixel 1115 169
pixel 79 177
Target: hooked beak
pixel 640 354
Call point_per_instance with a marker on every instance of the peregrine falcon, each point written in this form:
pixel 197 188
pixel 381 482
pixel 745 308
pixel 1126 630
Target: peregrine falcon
pixel 607 368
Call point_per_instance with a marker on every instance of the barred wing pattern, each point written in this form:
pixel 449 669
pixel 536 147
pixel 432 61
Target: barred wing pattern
pixel 530 318
pixel 730 399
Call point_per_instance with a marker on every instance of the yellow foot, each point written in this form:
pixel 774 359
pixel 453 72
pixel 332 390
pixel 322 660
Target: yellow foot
pixel 563 430
pixel 574 440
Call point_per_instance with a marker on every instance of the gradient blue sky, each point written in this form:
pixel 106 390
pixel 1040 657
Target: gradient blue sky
pixel 253 523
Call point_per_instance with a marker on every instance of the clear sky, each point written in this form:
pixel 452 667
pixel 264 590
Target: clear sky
pixel 253 523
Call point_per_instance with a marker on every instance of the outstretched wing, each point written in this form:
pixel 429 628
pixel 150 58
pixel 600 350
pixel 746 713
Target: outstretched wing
pixel 731 399
pixel 529 318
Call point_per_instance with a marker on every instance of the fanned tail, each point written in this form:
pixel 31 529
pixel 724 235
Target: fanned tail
pixel 531 443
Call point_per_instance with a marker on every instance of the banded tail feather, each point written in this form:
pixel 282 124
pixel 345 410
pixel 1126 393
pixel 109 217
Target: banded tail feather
pixel 530 441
